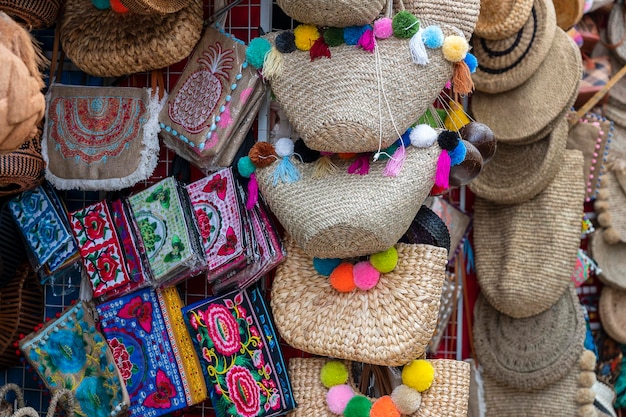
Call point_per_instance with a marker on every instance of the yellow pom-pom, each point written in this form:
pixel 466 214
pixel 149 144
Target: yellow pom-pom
pixel 386 261
pixel 457 118
pixel 334 373
pixel 455 48
pixel 305 36
pixel 418 375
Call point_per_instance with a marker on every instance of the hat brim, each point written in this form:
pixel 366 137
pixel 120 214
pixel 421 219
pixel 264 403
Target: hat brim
pixel 612 308
pixel 499 19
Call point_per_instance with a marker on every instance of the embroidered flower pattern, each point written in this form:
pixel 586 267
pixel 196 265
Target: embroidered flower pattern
pixel 92 394
pixel 121 353
pixel 139 310
pixel 223 329
pixel 95 225
pixel 244 391
pixel 204 223
pixel 165 391
pixel 66 351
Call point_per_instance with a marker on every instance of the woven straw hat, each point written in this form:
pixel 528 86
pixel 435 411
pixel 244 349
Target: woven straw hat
pixel 447 396
pixel 615 30
pixel 390 324
pixel 500 19
pixel 342 13
pixel 507 63
pixel 612 307
pixel 154 6
pixel 521 115
pixel 610 205
pixel 568 12
pixel 525 253
pixel 534 352
pixel 22 169
pixel 518 173
pixel 34 14
pixel 610 258
pixel 104 43
pixel 343 215
pixel 462 14
pixel 570 396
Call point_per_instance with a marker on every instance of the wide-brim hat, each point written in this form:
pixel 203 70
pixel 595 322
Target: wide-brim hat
pixel 521 115
pixel 525 253
pixel 612 308
pixel 390 324
pixel 611 259
pixel 517 173
pixel 104 43
pixel 568 12
pixel 533 352
pixel 34 14
pixel 154 6
pixel 501 19
pixel 507 63
pixel 615 31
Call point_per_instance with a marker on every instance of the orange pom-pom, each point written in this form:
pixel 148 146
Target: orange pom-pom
pixel 384 407
pixel 342 278
pixel 118 7
pixel 262 154
pixel 346 155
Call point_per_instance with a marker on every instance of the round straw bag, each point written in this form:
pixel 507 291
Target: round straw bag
pixel 333 13
pixel 63 394
pixel 612 307
pixel 6 408
pixel 21 309
pixel 390 324
pixel 461 14
pixel 611 259
pixel 22 169
pixel 104 43
pixel 447 397
pixel 34 14
pixel 154 6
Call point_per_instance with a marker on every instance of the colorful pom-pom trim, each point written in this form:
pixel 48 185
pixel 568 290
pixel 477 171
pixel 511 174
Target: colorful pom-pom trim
pixel 417 377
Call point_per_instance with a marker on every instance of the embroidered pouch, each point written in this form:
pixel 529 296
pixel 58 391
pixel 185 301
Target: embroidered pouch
pixel 213 103
pixel 153 351
pixel 172 247
pixel 100 138
pixel 70 353
pixel 240 355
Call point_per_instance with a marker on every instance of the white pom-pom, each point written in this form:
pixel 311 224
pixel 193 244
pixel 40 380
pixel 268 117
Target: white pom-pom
pixel 423 136
pixel 406 399
pixel 284 147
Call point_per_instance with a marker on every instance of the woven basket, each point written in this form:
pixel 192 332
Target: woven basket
pixel 390 324
pixel 342 13
pixel 6 408
pixel 21 309
pixel 154 6
pixel 461 14
pixel 349 214
pixel 104 43
pixel 447 397
pixel 22 169
pixel 64 395
pixel 35 14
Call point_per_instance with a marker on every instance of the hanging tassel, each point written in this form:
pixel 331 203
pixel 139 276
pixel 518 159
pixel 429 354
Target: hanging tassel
pixel 85 292
pixel 319 49
pixel 367 40
pixel 462 79
pixel 394 166
pixel 253 192
pixel 442 177
pixel 418 50
pixel 286 172
pixel 361 165
pixel 324 166
pixel 273 64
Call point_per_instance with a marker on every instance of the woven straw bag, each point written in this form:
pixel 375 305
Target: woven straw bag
pixel 99 41
pixel 22 169
pixel 154 6
pixel 610 203
pixel 6 408
pixel 35 14
pixel 64 395
pixel 447 397
pixel 612 308
pixel 342 13
pixel 390 324
pixel 461 14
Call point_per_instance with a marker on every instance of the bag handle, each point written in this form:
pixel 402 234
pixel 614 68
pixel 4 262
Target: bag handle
pixel 69 398
pixel 220 12
pixel 19 395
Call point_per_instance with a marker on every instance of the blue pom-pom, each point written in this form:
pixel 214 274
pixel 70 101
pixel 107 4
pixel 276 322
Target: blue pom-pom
pixel 457 155
pixel 325 266
pixel 352 34
pixel 101 4
pixel 245 167
pixel 405 138
pixel 471 61
pixel 433 37
pixel 257 49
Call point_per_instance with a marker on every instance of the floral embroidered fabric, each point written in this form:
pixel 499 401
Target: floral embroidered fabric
pixel 70 353
pixel 240 355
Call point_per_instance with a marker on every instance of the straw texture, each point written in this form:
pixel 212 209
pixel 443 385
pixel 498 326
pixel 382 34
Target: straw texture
pixel 534 352
pixel 108 44
pixel 390 324
pixel 6 408
pixel 615 30
pixel 34 14
pixel 500 19
pixel 447 397
pixel 347 214
pixel 610 258
pixel 525 253
pixel 461 14
pixel 154 6
pixel 517 173
pixel 612 307
pixel 611 206
pixel 509 62
pixel 342 13
pixel 521 114
pixel 334 103
pixel 568 12
pixel 22 169
pixel 558 399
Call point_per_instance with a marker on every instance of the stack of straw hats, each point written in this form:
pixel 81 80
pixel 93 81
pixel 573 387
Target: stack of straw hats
pixel 527 215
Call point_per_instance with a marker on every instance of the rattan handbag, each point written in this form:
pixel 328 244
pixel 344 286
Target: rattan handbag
pixel 64 395
pixel 34 14
pixel 6 408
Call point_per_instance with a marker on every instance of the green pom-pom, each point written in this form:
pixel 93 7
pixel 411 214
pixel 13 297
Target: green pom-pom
pixel 334 373
pixel 405 25
pixel 245 167
pixel 386 261
pixel 333 36
pixel 358 406
pixel 256 51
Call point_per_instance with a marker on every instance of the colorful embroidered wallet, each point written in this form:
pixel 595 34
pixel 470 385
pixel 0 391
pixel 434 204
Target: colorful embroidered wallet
pixel 153 351
pixel 70 353
pixel 240 355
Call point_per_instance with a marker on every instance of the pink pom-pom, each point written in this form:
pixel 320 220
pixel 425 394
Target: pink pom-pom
pixel 253 192
pixel 365 275
pixel 337 398
pixel 367 41
pixel 383 28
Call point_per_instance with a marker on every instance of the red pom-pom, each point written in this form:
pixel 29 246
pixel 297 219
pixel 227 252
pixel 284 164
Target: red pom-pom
pixel 118 7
